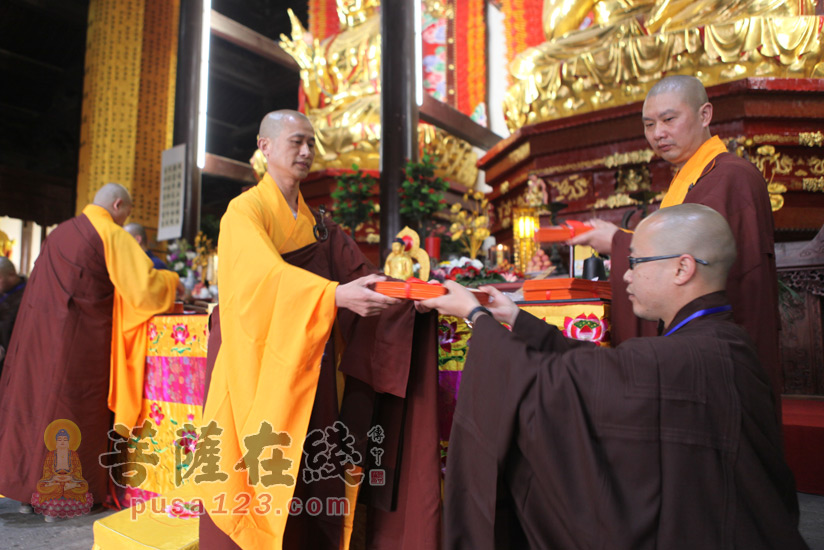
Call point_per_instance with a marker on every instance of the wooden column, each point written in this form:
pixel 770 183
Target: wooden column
pixel 186 108
pixel 399 113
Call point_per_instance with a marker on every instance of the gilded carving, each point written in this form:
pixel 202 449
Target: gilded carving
pixel 632 178
pixel 341 82
pixel 570 188
pixel 815 185
pixel 811 139
pixel 642 156
pixel 630 44
pixel 519 154
pixel 816 165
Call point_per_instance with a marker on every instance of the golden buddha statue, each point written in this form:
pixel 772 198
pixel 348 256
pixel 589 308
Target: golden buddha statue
pixel 341 82
pixel 628 45
pixel 406 250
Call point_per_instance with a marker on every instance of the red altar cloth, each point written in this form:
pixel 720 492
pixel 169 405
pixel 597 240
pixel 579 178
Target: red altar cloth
pixel 804 442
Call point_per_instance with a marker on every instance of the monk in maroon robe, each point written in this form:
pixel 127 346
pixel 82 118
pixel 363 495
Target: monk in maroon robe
pixel 676 117
pixel 59 360
pixel 662 442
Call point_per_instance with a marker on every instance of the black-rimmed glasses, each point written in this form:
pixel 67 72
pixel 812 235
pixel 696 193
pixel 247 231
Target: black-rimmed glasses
pixel 634 261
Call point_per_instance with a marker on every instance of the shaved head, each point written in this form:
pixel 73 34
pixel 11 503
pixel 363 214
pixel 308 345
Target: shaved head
pixel 689 88
pixel 135 230
pixel 8 275
pixel 138 232
pixel 272 123
pixel 6 267
pixel 109 193
pixel 666 249
pixel 116 200
pixel 697 230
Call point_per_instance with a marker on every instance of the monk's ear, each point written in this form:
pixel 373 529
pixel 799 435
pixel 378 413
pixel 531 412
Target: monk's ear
pixel 686 269
pixel 705 114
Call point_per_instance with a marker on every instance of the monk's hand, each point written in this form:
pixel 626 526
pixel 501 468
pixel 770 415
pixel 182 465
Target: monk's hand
pixel 458 302
pixel 502 308
pixel 359 298
pixel 599 237
pixel 181 290
pixel 419 306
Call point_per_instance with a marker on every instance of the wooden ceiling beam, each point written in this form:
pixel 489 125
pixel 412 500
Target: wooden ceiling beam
pixel 456 123
pixel 246 38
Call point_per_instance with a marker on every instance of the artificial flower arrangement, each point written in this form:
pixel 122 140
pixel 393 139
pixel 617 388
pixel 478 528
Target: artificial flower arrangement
pixel 471 227
pixel 472 273
pixel 181 258
pixel 354 204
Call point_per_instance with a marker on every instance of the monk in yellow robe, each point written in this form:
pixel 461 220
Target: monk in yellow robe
pixel 78 347
pixel 676 116
pixel 279 300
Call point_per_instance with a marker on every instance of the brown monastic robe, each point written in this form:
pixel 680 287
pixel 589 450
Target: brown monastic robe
pixel 735 189
pixel 390 362
pixel 59 361
pixel 663 442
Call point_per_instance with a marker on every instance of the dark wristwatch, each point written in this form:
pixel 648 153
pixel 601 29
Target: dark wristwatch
pixel 470 319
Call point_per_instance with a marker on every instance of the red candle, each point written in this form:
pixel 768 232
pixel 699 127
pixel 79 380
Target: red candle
pixel 433 247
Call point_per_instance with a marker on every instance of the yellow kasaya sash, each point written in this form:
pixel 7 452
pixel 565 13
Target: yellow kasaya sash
pixel 140 292
pixel 275 319
pixel 692 170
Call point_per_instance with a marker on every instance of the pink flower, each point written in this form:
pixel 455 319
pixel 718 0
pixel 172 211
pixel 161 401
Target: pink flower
pixel 152 332
pixel 180 333
pixel 157 414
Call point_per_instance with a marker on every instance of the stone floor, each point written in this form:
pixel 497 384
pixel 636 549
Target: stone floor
pixel 29 531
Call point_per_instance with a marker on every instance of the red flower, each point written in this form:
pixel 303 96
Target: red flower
pixel 420 203
pixel 180 333
pixel 152 332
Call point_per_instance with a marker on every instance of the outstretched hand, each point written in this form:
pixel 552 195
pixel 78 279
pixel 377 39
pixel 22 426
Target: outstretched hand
pixel 356 296
pixel 599 237
pixel 502 308
pixel 458 301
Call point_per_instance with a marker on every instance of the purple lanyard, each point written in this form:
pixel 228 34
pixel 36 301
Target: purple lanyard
pixel 697 314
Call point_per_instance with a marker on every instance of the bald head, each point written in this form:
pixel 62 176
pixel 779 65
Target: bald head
pixel 665 251
pixel 138 232
pixel 697 230
pixel 688 88
pixel 116 200
pixel 8 275
pixel 272 123
pixel 6 267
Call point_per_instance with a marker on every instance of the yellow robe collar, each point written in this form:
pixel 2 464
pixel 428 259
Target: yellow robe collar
pixel 692 171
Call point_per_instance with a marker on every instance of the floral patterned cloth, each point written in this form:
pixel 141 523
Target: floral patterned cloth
pixel 581 321
pixel 172 401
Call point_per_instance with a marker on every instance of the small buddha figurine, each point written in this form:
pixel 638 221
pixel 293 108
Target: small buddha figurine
pixel 406 251
pixel 399 264
pixel 62 491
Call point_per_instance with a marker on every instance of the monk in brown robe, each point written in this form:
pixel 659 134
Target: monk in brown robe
pixel 11 294
pixel 75 350
pixel 300 349
pixel 676 116
pixel 663 442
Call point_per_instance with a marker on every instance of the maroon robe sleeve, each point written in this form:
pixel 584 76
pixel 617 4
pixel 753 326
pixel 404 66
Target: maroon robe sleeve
pixel 543 337
pixel 656 444
pixel 737 190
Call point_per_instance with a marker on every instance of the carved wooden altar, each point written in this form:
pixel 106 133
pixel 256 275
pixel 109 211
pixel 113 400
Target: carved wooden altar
pixel 601 161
